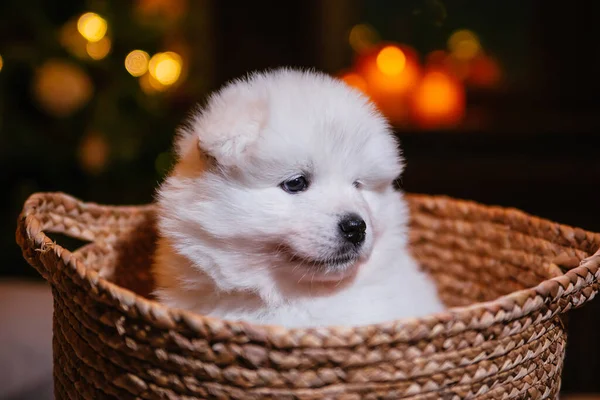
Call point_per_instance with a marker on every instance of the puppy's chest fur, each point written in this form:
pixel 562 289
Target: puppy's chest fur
pixel 394 290
pixel 388 287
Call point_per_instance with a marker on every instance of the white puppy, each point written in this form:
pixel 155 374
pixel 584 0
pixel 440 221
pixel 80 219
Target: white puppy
pixel 281 209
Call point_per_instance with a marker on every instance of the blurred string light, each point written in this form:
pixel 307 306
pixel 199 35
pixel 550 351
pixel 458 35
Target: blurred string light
pixel 440 59
pixel 1 63
pixel 86 37
pixel 98 50
pixel 165 67
pixel 93 153
pixel 436 58
pixel 136 62
pixel 150 85
pixel 168 11
pixel 431 95
pixel 464 44
pixel 391 71
pixel 92 26
pixel 71 39
pixel 391 60
pixel 438 100
pixel 156 73
pixel 362 37
pixel 61 87
pixel 485 72
pixel 467 61
pixel 460 68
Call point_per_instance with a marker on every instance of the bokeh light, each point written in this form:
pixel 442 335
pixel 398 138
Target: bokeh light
pixel 92 26
pixel 460 68
pixel 438 101
pixel 1 63
pixel 165 67
pixel 136 62
pixel 485 72
pixel 390 91
pixel 100 49
pixel 356 81
pixel 440 59
pixel 383 84
pixel 464 44
pixel 150 85
pixel 71 39
pixel 168 11
pixel 362 37
pixel 391 60
pixel 61 87
pixel 436 58
pixel 93 153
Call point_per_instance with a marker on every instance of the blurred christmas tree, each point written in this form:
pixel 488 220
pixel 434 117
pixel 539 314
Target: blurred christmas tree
pixel 90 95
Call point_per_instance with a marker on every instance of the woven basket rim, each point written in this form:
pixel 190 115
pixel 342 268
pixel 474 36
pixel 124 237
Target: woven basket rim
pixel 479 315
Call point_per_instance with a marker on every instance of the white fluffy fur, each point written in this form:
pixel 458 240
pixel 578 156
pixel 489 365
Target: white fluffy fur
pixel 227 230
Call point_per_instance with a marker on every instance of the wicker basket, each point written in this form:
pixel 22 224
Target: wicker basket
pixel 508 276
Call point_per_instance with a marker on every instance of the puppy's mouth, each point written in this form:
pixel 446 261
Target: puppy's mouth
pixel 334 268
pixel 329 262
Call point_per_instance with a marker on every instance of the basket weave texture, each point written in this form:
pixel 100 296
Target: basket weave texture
pixel 508 276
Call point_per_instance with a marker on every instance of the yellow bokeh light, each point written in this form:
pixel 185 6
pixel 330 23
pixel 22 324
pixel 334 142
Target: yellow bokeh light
pixel 150 85
pixel 362 37
pixel 98 50
pixel 1 63
pixel 464 44
pixel 136 62
pixel 92 26
pixel 391 60
pixel 165 67
pixel 72 40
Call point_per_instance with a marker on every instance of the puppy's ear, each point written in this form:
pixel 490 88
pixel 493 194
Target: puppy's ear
pixel 229 125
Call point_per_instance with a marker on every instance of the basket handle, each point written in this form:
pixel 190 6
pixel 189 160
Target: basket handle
pixel 594 259
pixel 576 286
pixel 60 213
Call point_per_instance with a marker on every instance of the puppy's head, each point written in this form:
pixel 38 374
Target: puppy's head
pixel 283 175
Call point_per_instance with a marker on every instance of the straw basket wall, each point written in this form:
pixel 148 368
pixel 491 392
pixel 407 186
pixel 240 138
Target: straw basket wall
pixel 509 277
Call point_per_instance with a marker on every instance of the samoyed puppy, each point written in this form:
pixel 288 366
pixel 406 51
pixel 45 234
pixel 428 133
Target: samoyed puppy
pixel 281 209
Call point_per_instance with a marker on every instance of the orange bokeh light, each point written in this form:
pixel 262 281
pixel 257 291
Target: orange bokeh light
pixel 436 58
pixel 391 73
pixel 169 10
pixel 485 72
pixel 438 101
pixel 459 68
pixel 356 81
pixel 391 60
pixel 382 84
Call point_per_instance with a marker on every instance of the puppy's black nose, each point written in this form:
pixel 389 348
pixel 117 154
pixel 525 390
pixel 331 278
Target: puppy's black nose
pixel 352 228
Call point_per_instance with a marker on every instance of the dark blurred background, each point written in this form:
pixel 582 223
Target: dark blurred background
pixel 493 101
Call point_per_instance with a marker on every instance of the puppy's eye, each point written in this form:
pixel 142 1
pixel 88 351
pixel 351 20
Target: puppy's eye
pixel 295 185
pixel 357 184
